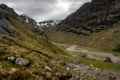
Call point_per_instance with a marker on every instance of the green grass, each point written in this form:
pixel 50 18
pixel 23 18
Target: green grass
pixel 101 50
pixel 100 64
pixel 95 63
pixel 105 40
pixel 38 50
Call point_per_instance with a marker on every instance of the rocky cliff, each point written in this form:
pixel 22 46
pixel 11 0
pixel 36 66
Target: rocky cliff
pixel 92 17
pixel 28 20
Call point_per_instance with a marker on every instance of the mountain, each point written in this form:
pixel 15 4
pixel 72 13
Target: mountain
pixel 28 20
pixel 26 55
pixel 94 16
pixel 96 24
pixel 49 23
pixel 33 25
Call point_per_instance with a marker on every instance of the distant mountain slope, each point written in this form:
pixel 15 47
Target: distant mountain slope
pixel 28 20
pixel 33 25
pixel 107 39
pixel 24 54
pixel 92 17
pixel 96 24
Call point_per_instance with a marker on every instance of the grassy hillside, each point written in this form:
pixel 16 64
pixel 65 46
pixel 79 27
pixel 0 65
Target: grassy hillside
pixel 20 45
pixel 106 39
pixel 23 43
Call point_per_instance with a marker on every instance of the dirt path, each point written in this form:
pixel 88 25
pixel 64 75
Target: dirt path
pixel 89 72
pixel 93 54
pixel 83 72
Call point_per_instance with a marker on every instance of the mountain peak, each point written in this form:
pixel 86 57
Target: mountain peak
pixel 7 11
pixel 27 19
pixel 92 17
pixel 3 6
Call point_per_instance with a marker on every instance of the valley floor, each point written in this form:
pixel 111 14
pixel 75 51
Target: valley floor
pixel 90 64
pixel 94 55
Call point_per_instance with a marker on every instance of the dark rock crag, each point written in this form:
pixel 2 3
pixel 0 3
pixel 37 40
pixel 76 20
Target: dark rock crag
pixel 92 17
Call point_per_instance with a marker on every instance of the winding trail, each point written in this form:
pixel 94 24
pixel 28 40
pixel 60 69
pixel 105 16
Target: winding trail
pixel 90 70
pixel 80 71
pixel 93 54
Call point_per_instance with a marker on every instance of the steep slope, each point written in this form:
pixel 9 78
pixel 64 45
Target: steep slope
pixel 96 24
pixel 33 25
pixel 107 39
pixel 28 20
pixel 24 55
pixel 92 17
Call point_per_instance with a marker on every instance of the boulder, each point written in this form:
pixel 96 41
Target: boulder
pixel 62 62
pixel 47 68
pixel 108 59
pixel 22 61
pixel 67 68
pixel 84 56
pixel 92 17
pixel 11 58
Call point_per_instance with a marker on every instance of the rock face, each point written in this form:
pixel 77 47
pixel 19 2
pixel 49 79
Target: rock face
pixel 92 17
pixel 4 19
pixel 28 20
pixel 33 24
pixel 4 26
pixel 11 10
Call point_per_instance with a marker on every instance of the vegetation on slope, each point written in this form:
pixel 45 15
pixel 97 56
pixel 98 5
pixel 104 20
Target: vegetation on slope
pixel 78 56
pixel 22 42
pixel 106 39
pixel 96 24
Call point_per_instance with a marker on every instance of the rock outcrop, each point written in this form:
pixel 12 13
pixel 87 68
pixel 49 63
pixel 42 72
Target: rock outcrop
pixel 33 25
pixel 92 17
pixel 29 20
pixel 4 26
pixel 4 19
pixel 11 11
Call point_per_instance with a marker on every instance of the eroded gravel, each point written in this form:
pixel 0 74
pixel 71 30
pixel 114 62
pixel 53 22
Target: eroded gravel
pixel 81 72
pixel 92 54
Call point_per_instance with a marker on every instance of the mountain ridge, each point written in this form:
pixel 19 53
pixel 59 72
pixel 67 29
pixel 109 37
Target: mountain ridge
pixel 95 24
pixel 92 17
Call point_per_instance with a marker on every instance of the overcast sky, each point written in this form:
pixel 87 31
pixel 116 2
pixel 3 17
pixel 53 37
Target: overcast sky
pixel 41 10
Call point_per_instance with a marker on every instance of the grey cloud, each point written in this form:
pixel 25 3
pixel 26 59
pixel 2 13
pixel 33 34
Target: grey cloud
pixel 45 9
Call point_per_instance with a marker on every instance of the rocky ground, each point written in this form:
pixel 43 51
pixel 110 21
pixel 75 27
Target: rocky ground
pixel 93 54
pixel 89 72
pixel 83 72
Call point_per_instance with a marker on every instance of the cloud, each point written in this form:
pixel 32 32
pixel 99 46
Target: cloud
pixel 45 9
